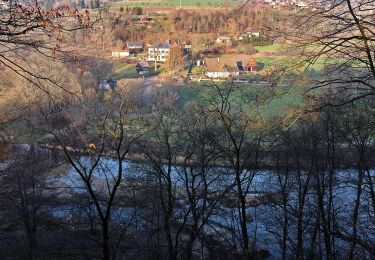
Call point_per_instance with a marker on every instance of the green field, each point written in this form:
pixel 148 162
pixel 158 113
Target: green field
pixel 276 47
pixel 293 63
pixel 124 71
pixel 277 102
pixel 175 3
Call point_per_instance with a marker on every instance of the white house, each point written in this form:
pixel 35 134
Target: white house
pixel 136 46
pixel 249 34
pixel 160 52
pixel 302 5
pixel 120 53
pixel 223 67
pixel 224 39
pixel 253 33
pixel 216 68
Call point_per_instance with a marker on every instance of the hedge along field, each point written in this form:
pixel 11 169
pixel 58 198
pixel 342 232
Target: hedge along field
pixel 175 3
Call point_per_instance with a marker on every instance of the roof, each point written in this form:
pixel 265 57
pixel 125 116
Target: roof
pixel 163 45
pixel 143 64
pixel 252 30
pixel 223 37
pixel 230 64
pixel 251 63
pixel 135 44
pixel 302 4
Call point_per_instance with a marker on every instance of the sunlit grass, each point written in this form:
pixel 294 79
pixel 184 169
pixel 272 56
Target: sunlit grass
pixel 124 71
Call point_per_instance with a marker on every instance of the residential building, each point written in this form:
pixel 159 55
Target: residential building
pixel 302 5
pixel 160 52
pixel 224 39
pixel 223 67
pixel 251 32
pixel 135 46
pixel 120 53
pixel 187 45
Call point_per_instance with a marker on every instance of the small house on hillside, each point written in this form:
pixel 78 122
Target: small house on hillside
pixel 251 65
pixel 224 39
pixel 187 45
pixel 253 32
pixel 160 52
pixel 302 5
pixel 223 67
pixel 135 46
pixel 250 33
pixel 142 67
pixel 120 53
pixel 184 44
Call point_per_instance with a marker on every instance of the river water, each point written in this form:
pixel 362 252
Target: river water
pixel 265 216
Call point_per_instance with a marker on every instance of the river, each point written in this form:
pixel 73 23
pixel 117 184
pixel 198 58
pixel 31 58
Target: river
pixel 265 209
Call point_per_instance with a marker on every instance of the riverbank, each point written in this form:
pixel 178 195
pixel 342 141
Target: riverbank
pixel 266 163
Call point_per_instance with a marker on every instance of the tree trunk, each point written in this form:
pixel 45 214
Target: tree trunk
pixel 356 212
pixel 105 240
pixel 243 217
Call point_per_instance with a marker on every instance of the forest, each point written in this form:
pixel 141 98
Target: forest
pixel 198 26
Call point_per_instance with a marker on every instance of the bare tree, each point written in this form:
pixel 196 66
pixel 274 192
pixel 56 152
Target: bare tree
pixel 162 159
pixel 357 129
pixel 45 32
pixel 205 188
pixel 238 149
pixel 107 132
pixel 340 35
pixel 25 200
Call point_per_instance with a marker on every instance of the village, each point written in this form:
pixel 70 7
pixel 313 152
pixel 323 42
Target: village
pixel 201 45
pixel 149 61
pixel 177 41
